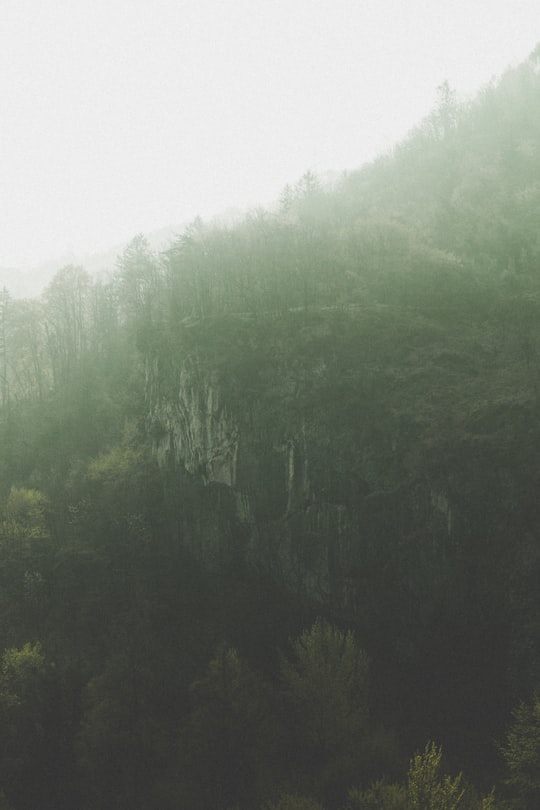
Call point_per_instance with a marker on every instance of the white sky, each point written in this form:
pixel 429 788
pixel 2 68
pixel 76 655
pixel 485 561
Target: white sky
pixel 121 116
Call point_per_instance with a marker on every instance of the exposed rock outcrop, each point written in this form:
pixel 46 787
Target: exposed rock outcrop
pixel 308 478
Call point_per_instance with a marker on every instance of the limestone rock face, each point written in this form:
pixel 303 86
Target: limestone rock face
pixel 195 428
pixel 319 454
pixel 259 477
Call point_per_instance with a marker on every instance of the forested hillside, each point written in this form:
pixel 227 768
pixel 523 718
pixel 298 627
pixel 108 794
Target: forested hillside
pixel 269 516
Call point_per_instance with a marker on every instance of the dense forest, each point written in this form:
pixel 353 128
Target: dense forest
pixel 269 499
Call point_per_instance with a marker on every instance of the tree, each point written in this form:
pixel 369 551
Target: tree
pixel 326 679
pixel 120 740
pixel 380 796
pixel 67 321
pixel 27 706
pixel 28 369
pixel 522 752
pixel 444 118
pixel 25 515
pixel 325 686
pixel 231 737
pixel 139 276
pixel 427 788
pixel 24 532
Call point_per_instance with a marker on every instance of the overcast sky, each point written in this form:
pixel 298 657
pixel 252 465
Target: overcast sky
pixel 122 116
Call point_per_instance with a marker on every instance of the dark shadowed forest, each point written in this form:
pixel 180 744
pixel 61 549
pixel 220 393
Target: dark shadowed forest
pixel 269 499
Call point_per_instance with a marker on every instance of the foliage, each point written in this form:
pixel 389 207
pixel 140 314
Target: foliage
pixel 325 688
pixel 25 515
pixel 231 725
pixel 118 743
pixel 28 745
pixel 326 678
pixel 522 751
pixel 427 788
pixel 380 796
pixel 21 671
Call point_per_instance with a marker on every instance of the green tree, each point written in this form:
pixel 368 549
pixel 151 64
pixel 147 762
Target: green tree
pixel 326 678
pixel 67 323
pixel 119 742
pixel 325 689
pixel 380 796
pixel 23 366
pixel 522 752
pixel 138 274
pixel 232 737
pixel 27 748
pixel 427 787
pixel 25 515
pixel 24 552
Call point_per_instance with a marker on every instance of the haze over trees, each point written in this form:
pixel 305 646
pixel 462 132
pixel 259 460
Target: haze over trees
pixel 269 527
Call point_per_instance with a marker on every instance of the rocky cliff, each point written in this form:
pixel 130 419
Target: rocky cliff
pixel 337 444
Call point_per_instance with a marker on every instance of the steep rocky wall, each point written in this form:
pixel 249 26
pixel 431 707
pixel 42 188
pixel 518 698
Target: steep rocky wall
pixel 311 478
pixel 195 426
pixel 366 457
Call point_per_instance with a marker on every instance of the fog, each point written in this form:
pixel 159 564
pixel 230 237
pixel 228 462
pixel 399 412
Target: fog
pixel 128 116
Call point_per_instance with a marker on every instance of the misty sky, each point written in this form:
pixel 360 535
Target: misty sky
pixel 121 116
